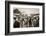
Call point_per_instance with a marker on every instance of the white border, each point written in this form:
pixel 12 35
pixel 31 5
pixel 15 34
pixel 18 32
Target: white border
pixel 12 6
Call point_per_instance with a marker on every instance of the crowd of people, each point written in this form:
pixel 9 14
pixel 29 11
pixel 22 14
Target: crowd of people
pixel 26 21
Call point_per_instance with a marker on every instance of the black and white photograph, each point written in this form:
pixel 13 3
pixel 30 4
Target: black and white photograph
pixel 24 17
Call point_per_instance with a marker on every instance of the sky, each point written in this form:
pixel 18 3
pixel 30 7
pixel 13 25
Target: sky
pixel 29 11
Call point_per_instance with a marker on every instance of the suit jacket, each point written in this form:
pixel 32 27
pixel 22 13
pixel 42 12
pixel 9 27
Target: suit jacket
pixel 16 24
